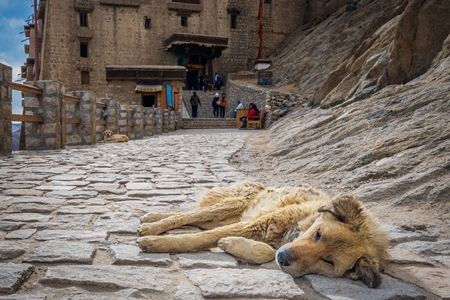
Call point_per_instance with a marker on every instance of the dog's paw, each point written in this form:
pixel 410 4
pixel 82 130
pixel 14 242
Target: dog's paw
pixel 145 243
pixel 146 229
pixel 153 217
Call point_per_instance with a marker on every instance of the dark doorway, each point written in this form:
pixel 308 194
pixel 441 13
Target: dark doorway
pixel 148 100
pixel 192 79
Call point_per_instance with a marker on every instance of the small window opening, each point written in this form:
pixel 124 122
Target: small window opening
pixel 83 19
pixel 148 23
pixel 84 77
pixel 148 100
pixel 267 1
pixel 184 21
pixel 83 49
pixel 233 21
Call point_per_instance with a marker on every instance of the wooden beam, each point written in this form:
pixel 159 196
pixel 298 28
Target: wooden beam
pixel 99 104
pixel 24 118
pixel 72 98
pixel 72 121
pixel 26 88
pixel 100 122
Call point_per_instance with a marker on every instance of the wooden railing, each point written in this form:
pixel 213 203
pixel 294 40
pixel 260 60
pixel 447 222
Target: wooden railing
pixel 26 89
pixel 37 91
pixel 72 120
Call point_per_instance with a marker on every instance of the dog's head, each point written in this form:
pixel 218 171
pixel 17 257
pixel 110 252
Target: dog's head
pixel 108 133
pixel 344 240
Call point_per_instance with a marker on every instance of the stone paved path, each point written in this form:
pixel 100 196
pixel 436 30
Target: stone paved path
pixel 68 226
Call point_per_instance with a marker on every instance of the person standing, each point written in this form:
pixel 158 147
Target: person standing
pixel 195 102
pixel 223 105
pixel 215 104
pixel 216 81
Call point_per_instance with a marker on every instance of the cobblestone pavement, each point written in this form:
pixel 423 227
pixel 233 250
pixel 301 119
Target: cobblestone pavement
pixel 68 226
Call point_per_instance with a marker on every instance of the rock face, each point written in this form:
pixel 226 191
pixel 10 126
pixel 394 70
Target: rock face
pixel 383 68
pixel 357 52
pixel 374 123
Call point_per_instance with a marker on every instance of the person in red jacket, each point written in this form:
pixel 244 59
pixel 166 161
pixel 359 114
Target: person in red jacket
pixel 253 112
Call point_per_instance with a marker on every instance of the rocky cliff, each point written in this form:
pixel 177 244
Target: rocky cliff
pixel 376 119
pixel 376 80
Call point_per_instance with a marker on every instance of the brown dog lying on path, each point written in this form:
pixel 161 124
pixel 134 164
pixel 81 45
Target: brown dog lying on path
pixel 314 233
pixel 110 137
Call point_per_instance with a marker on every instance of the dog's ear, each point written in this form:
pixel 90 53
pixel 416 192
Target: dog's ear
pixel 367 271
pixel 346 209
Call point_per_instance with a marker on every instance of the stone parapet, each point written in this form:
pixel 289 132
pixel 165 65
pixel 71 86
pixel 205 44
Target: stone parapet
pixel 5 110
pixel 84 132
pixel 50 134
pixel 149 121
pixel 136 122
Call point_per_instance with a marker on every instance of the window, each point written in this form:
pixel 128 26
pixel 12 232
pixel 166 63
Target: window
pixel 83 19
pixel 148 100
pixel 184 21
pixel 83 49
pixel 148 23
pixel 267 1
pixel 84 77
pixel 233 21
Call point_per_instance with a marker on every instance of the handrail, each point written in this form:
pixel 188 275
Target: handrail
pixel 72 98
pixel 25 118
pixel 99 104
pixel 26 88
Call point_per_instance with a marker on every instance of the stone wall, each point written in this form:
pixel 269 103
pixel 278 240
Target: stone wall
pixel 116 35
pixel 51 134
pixel 78 121
pixel 85 110
pixel 273 104
pixel 5 109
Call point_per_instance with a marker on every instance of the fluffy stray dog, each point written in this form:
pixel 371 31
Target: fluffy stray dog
pixel 110 137
pixel 313 232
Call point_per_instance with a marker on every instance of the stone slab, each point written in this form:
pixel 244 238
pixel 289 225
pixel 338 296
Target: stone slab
pixel 61 252
pixel 132 255
pixel 72 194
pixel 433 280
pixel 23 192
pixel 87 236
pixel 83 210
pixel 344 288
pixel 10 226
pixel 65 222
pixel 11 250
pixel 114 222
pixel 20 234
pixel 13 275
pixel 27 217
pixel 206 259
pixel 244 283
pixel 146 279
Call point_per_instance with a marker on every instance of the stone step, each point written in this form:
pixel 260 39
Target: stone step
pixel 189 123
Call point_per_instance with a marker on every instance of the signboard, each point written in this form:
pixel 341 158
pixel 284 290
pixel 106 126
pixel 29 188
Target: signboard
pixel 265 78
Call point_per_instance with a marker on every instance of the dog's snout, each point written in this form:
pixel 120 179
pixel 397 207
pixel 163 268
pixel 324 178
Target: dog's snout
pixel 285 258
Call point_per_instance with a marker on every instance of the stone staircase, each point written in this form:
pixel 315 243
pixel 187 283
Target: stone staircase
pixel 205 112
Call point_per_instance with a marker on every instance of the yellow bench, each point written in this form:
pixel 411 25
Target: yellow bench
pixel 255 123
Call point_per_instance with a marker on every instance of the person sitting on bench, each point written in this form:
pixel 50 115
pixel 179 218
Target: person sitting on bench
pixel 253 112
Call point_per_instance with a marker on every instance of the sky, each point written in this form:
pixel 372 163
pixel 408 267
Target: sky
pixel 13 16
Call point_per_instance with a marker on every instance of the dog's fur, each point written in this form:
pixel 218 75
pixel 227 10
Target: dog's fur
pixel 110 137
pixel 313 232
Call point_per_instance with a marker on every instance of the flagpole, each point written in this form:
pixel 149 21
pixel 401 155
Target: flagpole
pixel 260 14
